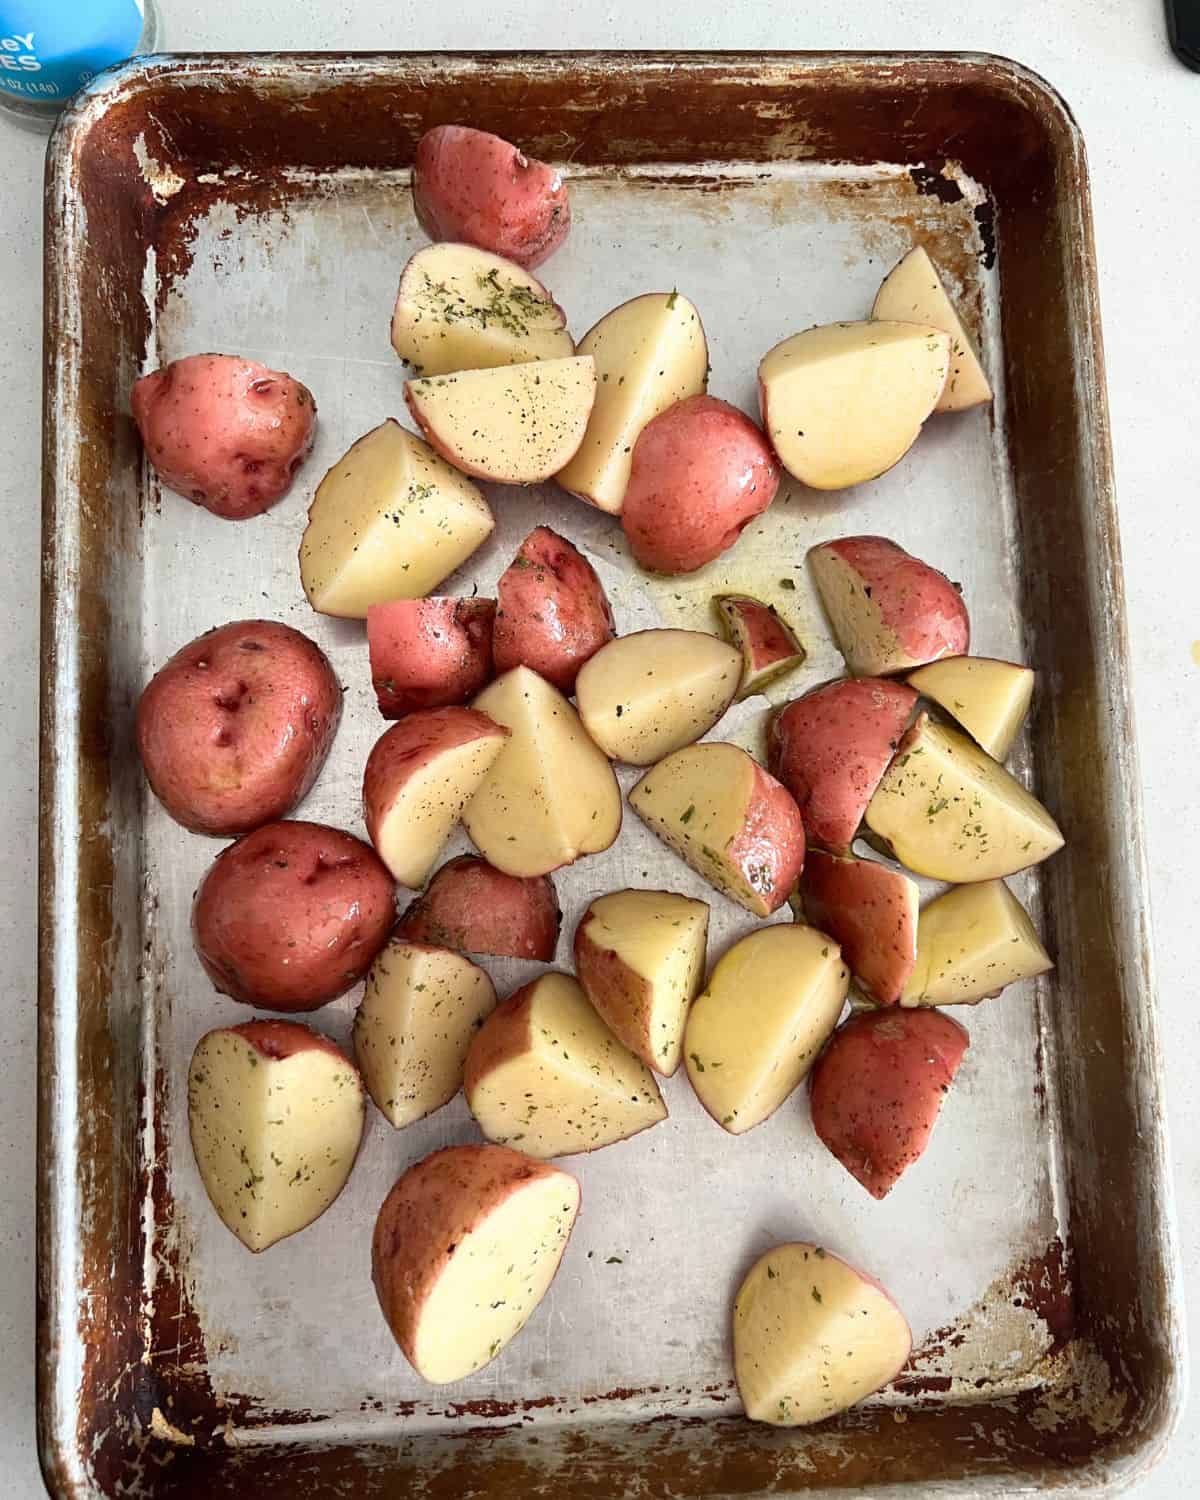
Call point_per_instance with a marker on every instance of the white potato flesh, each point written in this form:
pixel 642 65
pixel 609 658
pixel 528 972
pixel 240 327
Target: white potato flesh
pixel 462 308
pixel 419 1013
pixel 417 818
pixel 989 698
pixel 972 942
pixel 517 424
pixel 275 1138
pixel 844 402
pixel 640 958
pixel 812 1337
pixel 946 809
pixel 770 1005
pixel 547 1076
pixel 551 795
pixel 646 694
pixel 912 292
pixel 389 521
pixel 650 353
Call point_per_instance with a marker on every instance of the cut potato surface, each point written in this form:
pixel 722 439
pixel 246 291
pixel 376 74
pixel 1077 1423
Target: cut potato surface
pixel 515 425
pixel 717 808
pixel 551 796
pixel 912 292
pixel 871 911
pixel 640 957
pixel 276 1115
pixel 953 813
pixel 420 1010
pixel 389 521
pixel 646 694
pixel 812 1337
pixel 844 402
pixel 462 308
pixel 465 1247
pixel 768 647
pixel 420 775
pixel 988 698
pixel 649 353
pixel 971 943
pixel 546 1074
pixel 769 1006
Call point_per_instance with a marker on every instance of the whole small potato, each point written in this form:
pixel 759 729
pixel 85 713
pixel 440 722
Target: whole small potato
pixel 292 915
pixel 224 431
pixel 701 473
pixel 235 728
pixel 553 612
pixel 475 187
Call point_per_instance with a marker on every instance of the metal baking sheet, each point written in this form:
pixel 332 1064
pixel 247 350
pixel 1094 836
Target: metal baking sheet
pixel 259 205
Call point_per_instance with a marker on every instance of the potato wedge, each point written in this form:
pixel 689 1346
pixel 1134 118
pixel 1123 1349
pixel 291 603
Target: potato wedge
pixel 420 775
pixel 551 797
pixel 812 1337
pixel 844 402
pixel 276 1115
pixel 972 942
pixel 872 912
pixel 889 610
pixel 767 644
pixel 419 1013
pixel 465 1247
pixel 717 808
pixel 428 653
pixel 472 906
pixel 462 308
pixel 912 292
pixel 949 811
pixel 988 698
pixel 644 695
pixel 649 353
pixel 554 613
pixel 768 1008
pixel 878 1089
pixel 639 956
pixel 547 1074
pixel 517 424
pixel 389 521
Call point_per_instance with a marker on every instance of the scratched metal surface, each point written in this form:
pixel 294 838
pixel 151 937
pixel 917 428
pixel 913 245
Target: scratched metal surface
pixel 975 1242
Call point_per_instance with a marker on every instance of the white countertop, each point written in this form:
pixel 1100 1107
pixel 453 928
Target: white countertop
pixel 1139 110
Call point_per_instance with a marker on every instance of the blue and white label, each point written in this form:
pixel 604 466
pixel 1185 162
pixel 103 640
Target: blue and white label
pixel 50 48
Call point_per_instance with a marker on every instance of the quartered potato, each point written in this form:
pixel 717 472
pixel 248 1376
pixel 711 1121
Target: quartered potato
pixel 472 906
pixel 768 646
pixel 988 698
pixel 912 292
pixel 972 942
pixel 871 911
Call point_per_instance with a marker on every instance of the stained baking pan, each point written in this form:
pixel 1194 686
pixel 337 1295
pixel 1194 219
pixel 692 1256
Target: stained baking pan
pixel 260 204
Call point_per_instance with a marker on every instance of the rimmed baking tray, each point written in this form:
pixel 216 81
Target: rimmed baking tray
pixel 260 204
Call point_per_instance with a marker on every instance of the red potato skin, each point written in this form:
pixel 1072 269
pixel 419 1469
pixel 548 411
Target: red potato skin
pixel 831 748
pixel 553 612
pixel 427 1214
pixel 471 906
pixel 863 907
pixel 429 653
pixel 702 471
pixel 767 638
pixel 292 915
pixel 280 1040
pixel 878 1087
pixel 771 841
pixel 234 729
pixel 920 605
pixel 477 188
pixel 225 432
pixel 506 1033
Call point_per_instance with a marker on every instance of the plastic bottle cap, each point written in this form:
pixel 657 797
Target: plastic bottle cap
pixel 50 48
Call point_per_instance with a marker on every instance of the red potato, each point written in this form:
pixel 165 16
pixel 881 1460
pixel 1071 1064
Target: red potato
pixel 553 612
pixel 291 916
pixel 226 432
pixel 473 186
pixel 831 748
pixel 472 906
pixel 429 653
pixel 878 1087
pixel 701 473
pixel 768 647
pixel 872 913
pixel 889 611
pixel 465 1247
pixel 235 728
